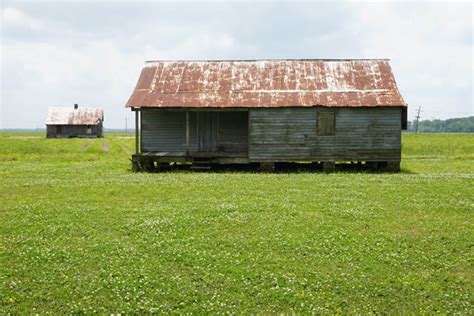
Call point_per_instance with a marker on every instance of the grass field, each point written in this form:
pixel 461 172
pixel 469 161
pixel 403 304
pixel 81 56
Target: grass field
pixel 80 233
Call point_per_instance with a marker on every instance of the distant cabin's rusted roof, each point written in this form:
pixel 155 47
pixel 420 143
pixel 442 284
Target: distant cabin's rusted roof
pixel 71 116
pixel 266 83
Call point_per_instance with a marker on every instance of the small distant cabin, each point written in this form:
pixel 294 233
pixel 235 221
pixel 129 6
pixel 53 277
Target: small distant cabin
pixel 84 122
pixel 268 111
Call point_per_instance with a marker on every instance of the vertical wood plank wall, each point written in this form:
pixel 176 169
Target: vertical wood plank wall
pixel 73 131
pixel 165 131
pixel 233 131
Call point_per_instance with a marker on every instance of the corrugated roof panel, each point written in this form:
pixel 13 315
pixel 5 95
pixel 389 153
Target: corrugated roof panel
pixel 266 83
pixel 71 116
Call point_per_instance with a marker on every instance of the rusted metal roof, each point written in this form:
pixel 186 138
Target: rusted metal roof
pixel 266 83
pixel 71 116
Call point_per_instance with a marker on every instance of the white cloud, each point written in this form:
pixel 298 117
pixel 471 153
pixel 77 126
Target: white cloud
pixel 431 51
pixel 13 18
pixel 206 44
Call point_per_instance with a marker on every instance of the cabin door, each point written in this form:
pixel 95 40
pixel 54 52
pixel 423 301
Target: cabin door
pixel 207 131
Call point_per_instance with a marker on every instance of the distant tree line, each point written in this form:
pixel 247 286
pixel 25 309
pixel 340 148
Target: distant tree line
pixel 454 125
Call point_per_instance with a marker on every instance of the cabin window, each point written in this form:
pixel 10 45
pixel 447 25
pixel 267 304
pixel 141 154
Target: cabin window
pixel 326 123
pixel 89 129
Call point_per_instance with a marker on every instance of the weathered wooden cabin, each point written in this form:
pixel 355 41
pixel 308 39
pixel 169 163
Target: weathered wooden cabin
pixel 74 122
pixel 268 111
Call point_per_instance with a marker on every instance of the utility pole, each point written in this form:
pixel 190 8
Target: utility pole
pixel 126 125
pixel 417 117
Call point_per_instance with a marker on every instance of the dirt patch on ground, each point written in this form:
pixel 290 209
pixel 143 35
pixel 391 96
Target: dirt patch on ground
pixel 105 146
pixel 125 147
pixel 24 137
pixel 86 145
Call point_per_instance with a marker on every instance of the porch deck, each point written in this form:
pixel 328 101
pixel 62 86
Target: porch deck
pixel 211 157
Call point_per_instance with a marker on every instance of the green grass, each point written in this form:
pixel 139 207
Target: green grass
pixel 81 233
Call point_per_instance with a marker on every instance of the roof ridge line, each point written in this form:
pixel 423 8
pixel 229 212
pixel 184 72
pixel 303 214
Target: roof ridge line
pixel 269 59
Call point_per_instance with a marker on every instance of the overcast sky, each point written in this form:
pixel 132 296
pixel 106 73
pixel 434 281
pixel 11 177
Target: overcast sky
pixel 89 52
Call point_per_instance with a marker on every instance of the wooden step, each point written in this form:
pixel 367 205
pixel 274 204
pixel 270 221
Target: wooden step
pixel 202 168
pixel 201 165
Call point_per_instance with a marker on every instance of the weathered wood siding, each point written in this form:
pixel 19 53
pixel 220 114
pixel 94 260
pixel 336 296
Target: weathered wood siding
pixel 371 134
pixel 278 134
pixel 65 131
pixel 164 131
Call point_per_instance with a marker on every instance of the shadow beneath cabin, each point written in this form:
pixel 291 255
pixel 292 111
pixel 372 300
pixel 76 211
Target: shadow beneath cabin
pixel 280 168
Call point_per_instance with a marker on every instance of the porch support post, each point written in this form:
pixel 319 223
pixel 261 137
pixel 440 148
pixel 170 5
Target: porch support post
pixel 137 131
pixel 187 132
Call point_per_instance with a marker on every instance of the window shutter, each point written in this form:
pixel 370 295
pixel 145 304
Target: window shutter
pixel 326 123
